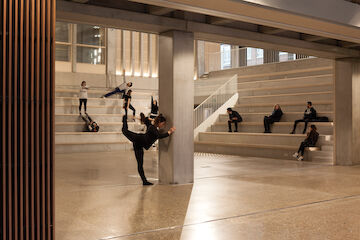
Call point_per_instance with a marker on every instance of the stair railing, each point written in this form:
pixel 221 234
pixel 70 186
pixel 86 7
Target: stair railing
pixel 215 100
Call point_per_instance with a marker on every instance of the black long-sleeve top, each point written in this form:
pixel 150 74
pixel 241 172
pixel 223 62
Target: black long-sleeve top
pixel 234 114
pixel 276 115
pixel 152 134
pixel 312 137
pixel 154 107
pixel 310 113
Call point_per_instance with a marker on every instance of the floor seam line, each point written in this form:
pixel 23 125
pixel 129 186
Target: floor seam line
pixel 233 217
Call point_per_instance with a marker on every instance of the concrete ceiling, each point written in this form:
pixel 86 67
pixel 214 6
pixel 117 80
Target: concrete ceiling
pixel 135 16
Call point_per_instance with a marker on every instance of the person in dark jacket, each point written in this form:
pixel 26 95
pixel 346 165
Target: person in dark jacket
pixel 274 117
pixel 154 108
pixel 145 120
pixel 309 116
pixel 310 141
pixel 234 117
pixel 127 103
pixel 141 141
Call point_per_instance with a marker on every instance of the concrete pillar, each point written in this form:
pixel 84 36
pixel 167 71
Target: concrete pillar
pixel 150 52
pixel 234 56
pixel 176 100
pixel 73 47
pixel 271 56
pixel 242 57
pixel 200 47
pixel 347 112
pixel 111 56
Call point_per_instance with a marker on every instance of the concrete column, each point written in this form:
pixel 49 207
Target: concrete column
pixel 150 52
pixel 132 56
pixel 200 57
pixel 73 30
pixel 347 112
pixel 176 100
pixel 271 56
pixel 234 56
pixel 111 55
pixel 123 56
pixel 242 57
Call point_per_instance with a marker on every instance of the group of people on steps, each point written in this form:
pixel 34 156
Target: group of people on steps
pixel 310 115
pixel 154 123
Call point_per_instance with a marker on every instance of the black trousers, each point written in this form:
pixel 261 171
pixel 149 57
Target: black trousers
pixel 116 90
pixel 267 122
pixel 81 101
pixel 132 108
pixel 235 123
pixel 305 120
pixel 137 140
pixel 302 147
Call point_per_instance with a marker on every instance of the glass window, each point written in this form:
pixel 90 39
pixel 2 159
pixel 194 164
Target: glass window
pixel 259 53
pixel 62 32
pixel 62 52
pixel 248 53
pixel 225 56
pixel 90 35
pixel 90 55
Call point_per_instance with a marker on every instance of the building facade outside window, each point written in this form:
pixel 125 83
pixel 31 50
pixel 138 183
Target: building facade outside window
pixel 225 50
pixel 63 42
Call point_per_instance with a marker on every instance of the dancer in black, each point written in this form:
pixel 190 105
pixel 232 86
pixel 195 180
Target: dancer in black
pixel 141 141
pixel 310 141
pixel 274 117
pixel 154 108
pixel 145 120
pixel 127 103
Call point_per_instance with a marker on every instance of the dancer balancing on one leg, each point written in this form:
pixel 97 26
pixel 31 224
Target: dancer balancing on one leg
pixel 127 103
pixel 141 141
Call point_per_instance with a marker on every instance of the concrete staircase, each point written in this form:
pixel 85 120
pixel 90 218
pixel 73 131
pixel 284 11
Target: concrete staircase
pixel 290 84
pixel 69 127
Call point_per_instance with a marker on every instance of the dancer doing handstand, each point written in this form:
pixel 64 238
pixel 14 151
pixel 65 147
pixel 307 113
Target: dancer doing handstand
pixel 141 141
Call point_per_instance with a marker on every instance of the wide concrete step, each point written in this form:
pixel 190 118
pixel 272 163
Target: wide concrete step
pixel 324 128
pixel 81 137
pixel 95 117
pixel 104 126
pixel 260 150
pixel 96 109
pixel 296 89
pixel 110 146
pixel 286 117
pixel 102 102
pixel 286 106
pixel 307 96
pixel 294 73
pixel 288 82
pixel 261 138
pixel 97 93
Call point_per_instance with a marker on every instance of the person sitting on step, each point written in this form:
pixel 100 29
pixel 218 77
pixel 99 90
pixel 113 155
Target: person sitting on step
pixel 309 116
pixel 234 117
pixel 274 117
pixel 90 124
pixel 154 108
pixel 310 141
pixel 121 89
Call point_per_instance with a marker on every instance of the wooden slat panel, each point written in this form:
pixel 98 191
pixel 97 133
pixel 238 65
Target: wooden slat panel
pixel 27 115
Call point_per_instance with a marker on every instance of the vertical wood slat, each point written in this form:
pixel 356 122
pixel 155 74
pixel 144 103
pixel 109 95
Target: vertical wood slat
pixel 27 114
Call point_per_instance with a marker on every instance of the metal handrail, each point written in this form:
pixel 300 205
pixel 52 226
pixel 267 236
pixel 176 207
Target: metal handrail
pixel 215 100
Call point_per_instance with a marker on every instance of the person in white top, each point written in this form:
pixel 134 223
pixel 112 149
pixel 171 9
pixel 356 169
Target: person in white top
pixel 83 96
pixel 122 88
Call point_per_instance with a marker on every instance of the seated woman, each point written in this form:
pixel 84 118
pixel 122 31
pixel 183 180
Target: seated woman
pixel 90 125
pixel 274 117
pixel 154 108
pixel 310 141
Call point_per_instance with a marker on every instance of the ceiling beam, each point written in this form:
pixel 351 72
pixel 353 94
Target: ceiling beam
pixel 313 38
pixel 219 21
pixel 123 19
pixel 349 44
pixel 271 30
pixel 155 10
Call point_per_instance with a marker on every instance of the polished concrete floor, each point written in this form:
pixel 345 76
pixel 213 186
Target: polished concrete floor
pixel 99 196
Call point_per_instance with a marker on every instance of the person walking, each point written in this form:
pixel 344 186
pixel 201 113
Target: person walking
pixel 310 141
pixel 274 117
pixel 234 117
pixel 127 103
pixel 141 141
pixel 121 89
pixel 83 96
pixel 309 115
